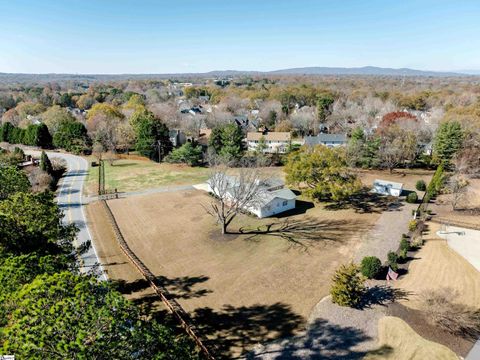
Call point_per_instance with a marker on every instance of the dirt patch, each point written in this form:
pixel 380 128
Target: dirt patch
pixel 417 321
pixel 253 287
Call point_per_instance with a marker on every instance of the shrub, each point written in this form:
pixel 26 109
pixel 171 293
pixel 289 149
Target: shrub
pixel 420 185
pixel 188 153
pixel 392 260
pixel 404 247
pixel 347 286
pixel 412 198
pixel 417 242
pixel 370 266
pixel 412 225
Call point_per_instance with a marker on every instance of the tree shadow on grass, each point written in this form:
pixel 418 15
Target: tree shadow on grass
pixel 368 202
pixel 235 330
pixel 306 232
pixel 184 287
pixel 382 295
pixel 322 340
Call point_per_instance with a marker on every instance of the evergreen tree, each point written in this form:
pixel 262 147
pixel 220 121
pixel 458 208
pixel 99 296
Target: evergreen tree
pixel 45 163
pixel 347 286
pixel 227 142
pixel 152 136
pixel 187 153
pixel 71 136
pixel 448 141
pixel 12 180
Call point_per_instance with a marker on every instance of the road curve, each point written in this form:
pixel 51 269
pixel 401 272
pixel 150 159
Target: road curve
pixel 70 199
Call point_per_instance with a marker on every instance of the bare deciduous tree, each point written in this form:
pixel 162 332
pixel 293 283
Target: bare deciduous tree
pixel 457 186
pixel 397 146
pixel 233 193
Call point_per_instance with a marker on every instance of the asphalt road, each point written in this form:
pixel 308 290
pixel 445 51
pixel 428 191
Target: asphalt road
pixel 71 201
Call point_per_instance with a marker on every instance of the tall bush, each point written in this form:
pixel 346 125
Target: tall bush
pixel 347 286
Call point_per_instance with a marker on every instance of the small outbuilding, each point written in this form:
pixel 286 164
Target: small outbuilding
pixel 385 187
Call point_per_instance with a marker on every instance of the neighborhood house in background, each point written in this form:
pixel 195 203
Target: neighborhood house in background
pixel 274 198
pixel 385 187
pixel 330 140
pixel 275 142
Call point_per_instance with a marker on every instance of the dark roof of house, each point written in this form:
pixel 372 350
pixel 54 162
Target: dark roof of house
pixel 323 138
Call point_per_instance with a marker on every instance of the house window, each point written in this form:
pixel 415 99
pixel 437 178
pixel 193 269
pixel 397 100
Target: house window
pixel 285 203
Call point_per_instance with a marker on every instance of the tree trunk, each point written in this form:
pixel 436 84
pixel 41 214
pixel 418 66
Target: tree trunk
pixel 224 227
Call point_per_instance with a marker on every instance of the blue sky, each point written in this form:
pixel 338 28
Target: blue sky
pixel 147 36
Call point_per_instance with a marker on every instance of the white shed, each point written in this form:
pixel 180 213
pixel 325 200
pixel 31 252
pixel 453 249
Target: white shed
pixel 385 187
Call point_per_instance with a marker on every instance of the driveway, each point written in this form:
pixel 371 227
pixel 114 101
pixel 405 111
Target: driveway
pixel 464 241
pixel 71 201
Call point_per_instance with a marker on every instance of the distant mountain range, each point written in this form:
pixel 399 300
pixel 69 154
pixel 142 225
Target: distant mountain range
pixel 366 70
pixel 307 71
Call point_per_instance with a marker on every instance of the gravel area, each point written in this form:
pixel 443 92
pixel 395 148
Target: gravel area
pixel 332 332
pixel 386 234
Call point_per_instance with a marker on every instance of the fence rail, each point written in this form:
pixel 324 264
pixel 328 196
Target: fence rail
pixel 172 305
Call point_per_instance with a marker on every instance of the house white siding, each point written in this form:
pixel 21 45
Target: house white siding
pixel 273 147
pixel 274 207
pixel 274 200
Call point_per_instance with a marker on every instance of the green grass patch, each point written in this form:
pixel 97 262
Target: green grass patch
pixel 134 175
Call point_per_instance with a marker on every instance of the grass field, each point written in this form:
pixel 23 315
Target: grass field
pixel 401 342
pixel 135 174
pixel 243 288
pixel 247 287
pixel 408 177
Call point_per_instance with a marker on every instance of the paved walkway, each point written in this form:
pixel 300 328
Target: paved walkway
pixel 465 242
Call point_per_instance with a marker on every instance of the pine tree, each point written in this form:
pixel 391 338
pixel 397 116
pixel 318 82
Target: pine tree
pixel 45 163
pixel 347 286
pixel 448 141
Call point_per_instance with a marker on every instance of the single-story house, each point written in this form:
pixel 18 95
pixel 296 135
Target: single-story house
pixel 330 140
pixel 276 142
pixel 273 197
pixel 385 187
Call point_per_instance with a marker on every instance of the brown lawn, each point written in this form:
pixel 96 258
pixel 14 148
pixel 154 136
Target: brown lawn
pixel 468 209
pixel 436 265
pixel 398 341
pixel 408 177
pixel 247 286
